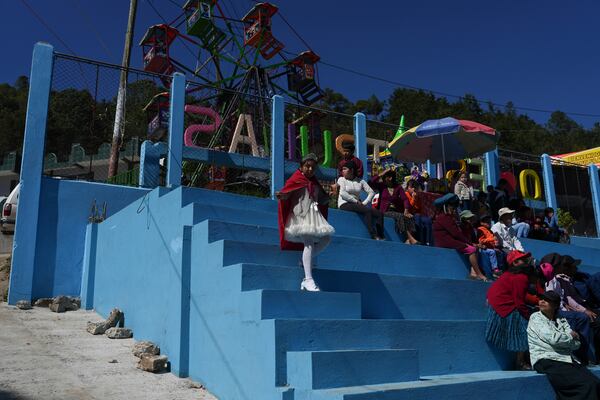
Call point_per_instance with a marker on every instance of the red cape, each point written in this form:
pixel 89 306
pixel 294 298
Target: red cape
pixel 295 182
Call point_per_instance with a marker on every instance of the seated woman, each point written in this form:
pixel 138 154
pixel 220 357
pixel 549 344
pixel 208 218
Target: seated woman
pixel 446 233
pixel 551 342
pixel 302 217
pixel 349 200
pixel 394 203
pixel 423 222
pixel 506 326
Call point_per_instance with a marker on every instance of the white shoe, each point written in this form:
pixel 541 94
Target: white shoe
pixel 309 285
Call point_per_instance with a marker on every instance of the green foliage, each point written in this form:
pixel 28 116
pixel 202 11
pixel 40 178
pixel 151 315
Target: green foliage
pixel 75 117
pixel 565 219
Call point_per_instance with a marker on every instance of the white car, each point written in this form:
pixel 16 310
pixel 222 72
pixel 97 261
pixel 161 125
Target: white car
pixel 9 211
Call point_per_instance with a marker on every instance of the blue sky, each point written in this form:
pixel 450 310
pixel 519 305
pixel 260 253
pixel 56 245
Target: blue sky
pixel 539 54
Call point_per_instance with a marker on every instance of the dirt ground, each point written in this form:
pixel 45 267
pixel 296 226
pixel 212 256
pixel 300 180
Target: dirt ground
pixel 44 355
pixel 4 275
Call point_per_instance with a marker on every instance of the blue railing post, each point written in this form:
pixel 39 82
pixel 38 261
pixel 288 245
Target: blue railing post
pixel 549 182
pixel 175 151
pixel 32 167
pixel 360 139
pixel 431 169
pixel 277 144
pixel 595 189
pixel 492 168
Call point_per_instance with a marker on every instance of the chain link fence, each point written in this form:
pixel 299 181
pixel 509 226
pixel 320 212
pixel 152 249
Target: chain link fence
pixel 574 197
pixel 81 118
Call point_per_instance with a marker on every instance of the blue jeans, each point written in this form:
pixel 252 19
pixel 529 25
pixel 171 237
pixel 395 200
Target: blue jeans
pixel 489 261
pixel 522 229
pixel 424 227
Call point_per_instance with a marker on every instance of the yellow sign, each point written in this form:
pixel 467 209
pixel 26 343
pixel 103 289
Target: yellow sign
pixel 585 157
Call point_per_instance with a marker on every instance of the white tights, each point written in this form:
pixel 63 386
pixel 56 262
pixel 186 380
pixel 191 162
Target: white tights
pixel 311 250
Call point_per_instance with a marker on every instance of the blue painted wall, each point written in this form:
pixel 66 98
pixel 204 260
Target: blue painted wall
pixel 64 210
pixel 226 277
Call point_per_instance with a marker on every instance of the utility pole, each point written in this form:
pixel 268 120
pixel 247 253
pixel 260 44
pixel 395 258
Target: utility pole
pixel 113 164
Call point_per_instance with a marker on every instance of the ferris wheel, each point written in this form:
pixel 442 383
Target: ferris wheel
pixel 241 59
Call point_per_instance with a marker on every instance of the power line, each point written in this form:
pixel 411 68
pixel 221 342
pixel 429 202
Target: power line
pixel 39 18
pixel 404 85
pixel 412 87
pixel 85 16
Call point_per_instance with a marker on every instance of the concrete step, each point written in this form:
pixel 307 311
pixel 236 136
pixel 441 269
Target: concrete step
pixel 346 223
pixel 493 385
pixel 581 241
pixel 334 369
pixel 444 347
pixel 588 255
pixel 271 304
pixel 349 254
pixel 383 296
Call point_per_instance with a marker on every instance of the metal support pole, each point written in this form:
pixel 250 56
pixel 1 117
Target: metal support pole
pixel 595 189
pixel 549 182
pixel 277 145
pixel 175 151
pixel 360 139
pixel 492 168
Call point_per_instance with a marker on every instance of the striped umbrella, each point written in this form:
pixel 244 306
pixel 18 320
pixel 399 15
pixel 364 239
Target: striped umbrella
pixel 444 139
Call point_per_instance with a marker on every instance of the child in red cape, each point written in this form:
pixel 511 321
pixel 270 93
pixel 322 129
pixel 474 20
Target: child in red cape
pixel 302 217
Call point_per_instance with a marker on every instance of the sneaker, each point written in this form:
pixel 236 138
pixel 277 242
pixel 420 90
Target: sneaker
pixel 309 285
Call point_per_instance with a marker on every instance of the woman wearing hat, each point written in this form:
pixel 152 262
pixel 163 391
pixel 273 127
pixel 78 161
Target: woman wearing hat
pixel 506 326
pixel 551 343
pixel 302 217
pixel 394 203
pixel 446 233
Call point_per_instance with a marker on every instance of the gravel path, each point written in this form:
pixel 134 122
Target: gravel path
pixel 44 355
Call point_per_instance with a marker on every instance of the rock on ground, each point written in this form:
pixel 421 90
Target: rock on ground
pixel 145 347
pixel 43 302
pixel 64 303
pixel 23 305
pixel 153 363
pixel 96 328
pixel 119 333
pixel 50 356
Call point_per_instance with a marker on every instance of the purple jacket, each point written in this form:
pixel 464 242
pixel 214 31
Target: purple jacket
pixel 398 198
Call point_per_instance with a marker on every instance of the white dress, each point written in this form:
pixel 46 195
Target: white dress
pixel 305 223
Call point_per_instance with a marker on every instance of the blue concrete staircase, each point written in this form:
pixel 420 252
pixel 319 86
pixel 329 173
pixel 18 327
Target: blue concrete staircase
pixel 201 273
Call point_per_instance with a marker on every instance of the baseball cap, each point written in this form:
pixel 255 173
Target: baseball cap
pixel 505 210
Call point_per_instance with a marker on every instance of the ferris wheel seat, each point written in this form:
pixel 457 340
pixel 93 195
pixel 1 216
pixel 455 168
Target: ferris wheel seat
pixel 270 48
pixel 159 64
pixel 311 93
pixel 211 36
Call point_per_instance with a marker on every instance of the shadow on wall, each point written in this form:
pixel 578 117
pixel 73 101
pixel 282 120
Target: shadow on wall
pixel 7 395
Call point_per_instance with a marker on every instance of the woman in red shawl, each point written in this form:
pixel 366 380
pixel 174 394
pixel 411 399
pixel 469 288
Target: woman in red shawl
pixel 302 217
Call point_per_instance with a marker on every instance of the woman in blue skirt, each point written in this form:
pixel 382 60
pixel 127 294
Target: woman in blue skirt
pixel 508 314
